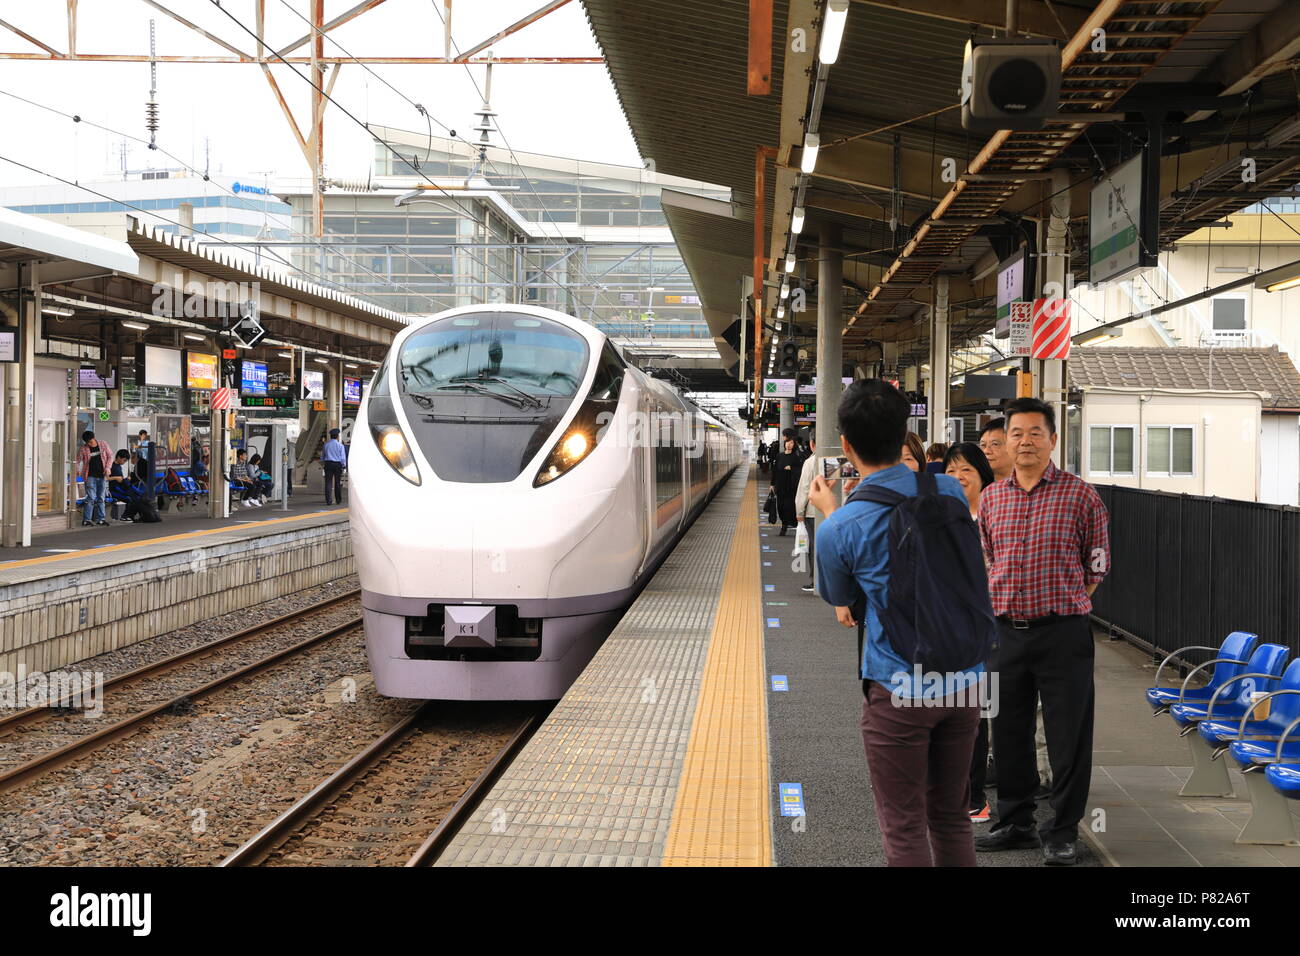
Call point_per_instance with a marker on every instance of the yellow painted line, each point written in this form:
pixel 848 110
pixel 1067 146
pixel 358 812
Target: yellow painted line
pixel 721 816
pixel 126 545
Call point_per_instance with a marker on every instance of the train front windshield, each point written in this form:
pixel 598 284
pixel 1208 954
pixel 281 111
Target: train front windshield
pixel 484 392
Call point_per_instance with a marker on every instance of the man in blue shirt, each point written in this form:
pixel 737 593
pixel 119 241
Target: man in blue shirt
pixel 333 457
pixel 918 728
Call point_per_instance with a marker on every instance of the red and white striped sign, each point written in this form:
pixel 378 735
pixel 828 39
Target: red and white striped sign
pixel 1051 329
pixel 223 398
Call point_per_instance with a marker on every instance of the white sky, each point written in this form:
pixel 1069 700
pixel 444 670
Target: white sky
pixel 561 110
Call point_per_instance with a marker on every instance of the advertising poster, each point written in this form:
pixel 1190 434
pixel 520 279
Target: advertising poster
pixel 313 385
pixel 201 371
pixel 171 437
pixel 351 391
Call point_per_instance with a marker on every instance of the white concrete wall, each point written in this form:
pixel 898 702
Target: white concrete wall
pixel 1225 434
pixel 1279 478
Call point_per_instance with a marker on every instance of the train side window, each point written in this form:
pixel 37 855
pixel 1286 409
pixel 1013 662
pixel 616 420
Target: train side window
pixel 379 384
pixel 608 381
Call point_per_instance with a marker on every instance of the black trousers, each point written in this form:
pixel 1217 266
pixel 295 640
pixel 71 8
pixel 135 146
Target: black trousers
pixel 1054 661
pixel 333 482
pixel 979 766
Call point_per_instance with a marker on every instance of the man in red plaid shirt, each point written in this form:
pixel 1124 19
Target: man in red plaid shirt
pixel 1047 545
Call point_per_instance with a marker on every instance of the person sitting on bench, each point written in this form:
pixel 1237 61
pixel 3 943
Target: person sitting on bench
pixel 241 481
pixel 263 480
pixel 121 489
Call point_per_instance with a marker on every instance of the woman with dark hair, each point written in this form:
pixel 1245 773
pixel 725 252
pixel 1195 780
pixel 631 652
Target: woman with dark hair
pixel 913 452
pixel 786 468
pixel 967 462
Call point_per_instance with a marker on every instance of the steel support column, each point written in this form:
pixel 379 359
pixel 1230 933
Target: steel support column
pixel 1050 383
pixel 938 420
pixel 20 421
pixel 830 337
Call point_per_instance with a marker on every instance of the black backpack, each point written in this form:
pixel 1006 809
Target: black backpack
pixel 937 613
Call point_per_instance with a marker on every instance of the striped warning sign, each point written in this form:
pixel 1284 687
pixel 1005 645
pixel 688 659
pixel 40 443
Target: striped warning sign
pixel 222 398
pixel 1050 338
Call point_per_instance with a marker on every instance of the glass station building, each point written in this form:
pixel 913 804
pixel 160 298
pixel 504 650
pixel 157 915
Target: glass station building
pixel 588 239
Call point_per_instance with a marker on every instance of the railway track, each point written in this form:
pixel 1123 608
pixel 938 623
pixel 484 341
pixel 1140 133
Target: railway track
pixel 142 694
pixel 377 809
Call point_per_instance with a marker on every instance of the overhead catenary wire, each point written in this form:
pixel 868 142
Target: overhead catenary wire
pixel 94 192
pixel 418 107
pixel 80 120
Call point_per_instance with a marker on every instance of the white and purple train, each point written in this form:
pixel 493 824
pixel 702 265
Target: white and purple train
pixel 513 485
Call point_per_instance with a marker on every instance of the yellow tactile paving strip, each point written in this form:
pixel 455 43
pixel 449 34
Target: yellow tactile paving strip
pixel 185 536
pixel 722 813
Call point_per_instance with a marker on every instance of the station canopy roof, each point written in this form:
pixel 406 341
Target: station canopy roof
pixel 69 253
pixel 1219 72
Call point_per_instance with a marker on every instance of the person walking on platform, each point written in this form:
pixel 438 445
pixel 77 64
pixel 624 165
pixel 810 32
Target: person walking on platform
pixel 913 452
pixel 762 456
pixel 804 509
pixel 333 457
pixel 918 743
pixel 934 457
pixel 786 468
pixel 144 459
pixel 965 462
pixel 1047 545
pixel 93 462
pixel 993 442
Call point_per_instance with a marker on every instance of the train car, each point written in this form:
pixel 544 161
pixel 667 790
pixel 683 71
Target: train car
pixel 513 484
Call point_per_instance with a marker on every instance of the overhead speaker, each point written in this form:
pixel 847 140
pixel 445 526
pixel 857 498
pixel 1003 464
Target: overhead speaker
pixel 1009 84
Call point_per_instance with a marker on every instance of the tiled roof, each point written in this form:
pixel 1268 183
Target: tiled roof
pixel 1232 369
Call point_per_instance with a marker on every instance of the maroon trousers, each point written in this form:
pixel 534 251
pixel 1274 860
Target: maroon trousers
pixel 919 759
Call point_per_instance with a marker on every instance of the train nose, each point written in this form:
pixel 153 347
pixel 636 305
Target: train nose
pixel 423 548
pixel 520 543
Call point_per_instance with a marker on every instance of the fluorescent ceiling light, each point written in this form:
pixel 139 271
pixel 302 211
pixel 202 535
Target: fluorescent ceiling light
pixel 1100 335
pixel 796 220
pixel 789 263
pixel 808 160
pixel 654 288
pixel 778 325
pixel 323 361
pixel 285 354
pixel 1280 279
pixel 193 337
pixel 55 310
pixel 833 20
pixel 138 326
pixel 780 313
pixel 785 290
pixel 348 365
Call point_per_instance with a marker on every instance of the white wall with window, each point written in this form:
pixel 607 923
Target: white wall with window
pixel 1196 442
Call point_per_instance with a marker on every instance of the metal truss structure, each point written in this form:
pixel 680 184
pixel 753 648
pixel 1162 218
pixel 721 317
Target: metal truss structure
pixel 323 72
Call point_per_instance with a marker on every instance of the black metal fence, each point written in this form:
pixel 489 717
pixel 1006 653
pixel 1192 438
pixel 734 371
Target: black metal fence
pixel 1190 570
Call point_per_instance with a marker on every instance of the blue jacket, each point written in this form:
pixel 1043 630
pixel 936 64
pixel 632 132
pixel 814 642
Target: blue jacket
pixel 852 550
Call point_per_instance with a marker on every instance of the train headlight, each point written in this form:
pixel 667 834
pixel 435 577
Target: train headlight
pixel 578 440
pixel 389 439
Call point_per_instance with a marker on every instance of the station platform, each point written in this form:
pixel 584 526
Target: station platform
pixel 80 593
pixel 179 530
pixel 726 689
